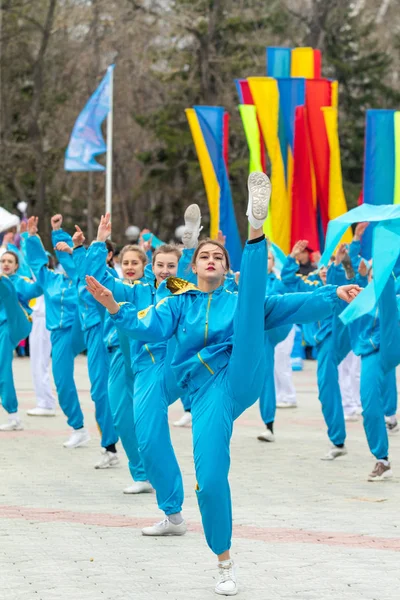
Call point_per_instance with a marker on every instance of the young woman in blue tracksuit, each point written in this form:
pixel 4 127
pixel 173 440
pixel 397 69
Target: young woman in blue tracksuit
pixel 376 338
pixel 15 325
pixel 91 319
pixel 220 355
pixel 122 352
pixel 153 386
pixel 333 344
pixel 61 301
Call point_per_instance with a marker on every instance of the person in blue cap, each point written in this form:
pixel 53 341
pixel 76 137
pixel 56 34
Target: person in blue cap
pixel 63 323
pixel 15 325
pixel 220 356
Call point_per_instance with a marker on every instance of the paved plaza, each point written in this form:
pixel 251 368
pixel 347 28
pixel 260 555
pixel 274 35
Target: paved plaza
pixel 303 528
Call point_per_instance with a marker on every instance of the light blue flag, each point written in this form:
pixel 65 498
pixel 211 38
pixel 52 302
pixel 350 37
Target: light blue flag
pixel 363 213
pixel 279 255
pixel 87 140
pixel 385 253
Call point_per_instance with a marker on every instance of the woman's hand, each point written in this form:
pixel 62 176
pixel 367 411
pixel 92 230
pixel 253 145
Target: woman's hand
pixel 104 230
pixel 78 238
pixel 63 247
pixel 348 292
pixel 359 231
pixel 298 248
pixel 33 225
pixel 56 222
pixel 340 254
pixel 102 294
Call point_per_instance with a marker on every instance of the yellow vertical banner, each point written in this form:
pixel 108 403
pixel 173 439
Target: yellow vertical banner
pixel 337 201
pixel 396 195
pixel 302 63
pixel 207 171
pixel 265 93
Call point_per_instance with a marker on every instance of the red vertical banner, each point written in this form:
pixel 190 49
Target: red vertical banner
pixel 317 64
pixel 225 140
pixel 304 223
pixel 318 94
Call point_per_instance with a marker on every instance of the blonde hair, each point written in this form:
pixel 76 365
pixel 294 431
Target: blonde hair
pixel 167 249
pixel 133 248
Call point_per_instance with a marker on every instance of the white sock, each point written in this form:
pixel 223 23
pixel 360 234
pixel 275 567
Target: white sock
pixel 176 518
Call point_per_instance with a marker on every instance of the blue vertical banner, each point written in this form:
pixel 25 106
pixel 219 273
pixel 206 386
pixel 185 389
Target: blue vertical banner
pixel 278 62
pixel 379 165
pixel 211 121
pixel 87 139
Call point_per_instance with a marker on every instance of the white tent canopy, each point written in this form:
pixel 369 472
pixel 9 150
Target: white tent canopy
pixel 7 220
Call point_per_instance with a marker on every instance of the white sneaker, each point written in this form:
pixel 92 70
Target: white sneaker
pixel 266 436
pixel 165 528
pixel 14 424
pixel 227 584
pixel 78 438
pixel 108 459
pixel 334 452
pixel 139 487
pixel 41 412
pixel 259 187
pixel 351 417
pixel 192 226
pixel 185 420
pixel 286 405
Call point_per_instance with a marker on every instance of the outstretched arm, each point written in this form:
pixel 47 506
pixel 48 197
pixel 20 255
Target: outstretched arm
pixel 306 308
pixel 153 324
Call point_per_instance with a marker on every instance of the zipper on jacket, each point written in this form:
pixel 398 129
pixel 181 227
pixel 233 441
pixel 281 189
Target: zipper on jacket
pixel 207 314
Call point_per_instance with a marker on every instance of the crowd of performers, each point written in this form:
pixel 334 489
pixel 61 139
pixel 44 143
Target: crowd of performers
pixel 177 323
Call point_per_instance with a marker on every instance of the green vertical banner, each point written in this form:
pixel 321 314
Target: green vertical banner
pixel 248 113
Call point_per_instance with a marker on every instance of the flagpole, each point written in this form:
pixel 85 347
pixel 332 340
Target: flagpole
pixel 109 148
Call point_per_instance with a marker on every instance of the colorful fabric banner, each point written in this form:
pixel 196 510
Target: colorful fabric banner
pixel 396 199
pixel 303 211
pixel 303 63
pixel 318 95
pixel 379 165
pixel 211 124
pixel 245 97
pixel 278 62
pixel 266 99
pixel 87 140
pixel 337 202
pixel 209 178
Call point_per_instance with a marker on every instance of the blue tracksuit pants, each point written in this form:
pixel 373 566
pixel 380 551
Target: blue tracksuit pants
pixel 120 394
pixel 150 408
pixel 268 394
pixel 378 379
pixel 98 367
pixel 219 401
pixel 371 392
pixel 7 389
pixel 329 357
pixel 63 372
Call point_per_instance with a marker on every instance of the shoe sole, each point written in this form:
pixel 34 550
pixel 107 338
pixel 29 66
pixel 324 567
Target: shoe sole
pixel 333 457
pixel 192 217
pixel 259 187
pixel 227 593
pixel 263 439
pixel 136 493
pixel 109 466
pixel 13 429
pixel 46 415
pixel 163 534
pixel 385 477
pixel 80 445
pixel 286 406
